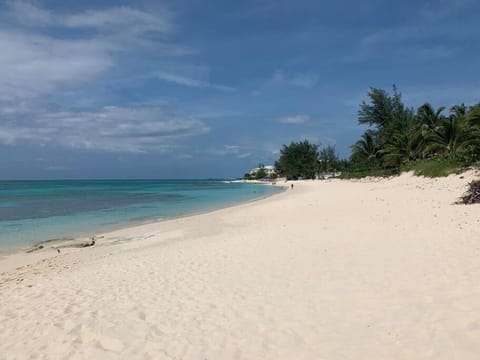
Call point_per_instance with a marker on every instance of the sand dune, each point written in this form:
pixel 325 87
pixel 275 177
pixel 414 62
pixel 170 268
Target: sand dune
pixel 386 269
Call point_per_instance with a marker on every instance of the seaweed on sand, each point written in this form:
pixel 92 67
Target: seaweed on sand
pixel 472 195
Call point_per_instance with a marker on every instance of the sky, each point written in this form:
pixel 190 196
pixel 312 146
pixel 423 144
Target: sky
pixel 212 88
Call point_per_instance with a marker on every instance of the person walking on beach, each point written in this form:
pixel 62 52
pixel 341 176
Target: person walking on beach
pixel 291 186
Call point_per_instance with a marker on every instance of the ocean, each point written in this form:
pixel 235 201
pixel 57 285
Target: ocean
pixel 33 211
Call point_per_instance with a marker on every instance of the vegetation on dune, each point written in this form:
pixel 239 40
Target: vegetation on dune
pixel 359 173
pixel 425 140
pixel 430 141
pixel 435 167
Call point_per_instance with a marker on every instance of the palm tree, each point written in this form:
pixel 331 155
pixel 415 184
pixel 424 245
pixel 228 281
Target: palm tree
pixel 453 133
pixel 366 149
pixel 428 117
pixel 473 120
pixel 404 145
pixel 404 142
pixel 429 122
pixel 473 116
pixel 398 134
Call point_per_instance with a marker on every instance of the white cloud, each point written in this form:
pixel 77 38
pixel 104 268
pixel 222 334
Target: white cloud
pixel 29 14
pixel 206 112
pixel 189 81
pixel 391 35
pixel 39 61
pixel 294 119
pixel 237 151
pixel 34 65
pixel 244 155
pixel 179 79
pixel 121 18
pixel 11 134
pixel 306 80
pixel 184 156
pixel 234 149
pixel 115 129
pixel 283 79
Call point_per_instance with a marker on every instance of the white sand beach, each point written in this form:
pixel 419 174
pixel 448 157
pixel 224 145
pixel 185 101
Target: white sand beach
pixel 379 269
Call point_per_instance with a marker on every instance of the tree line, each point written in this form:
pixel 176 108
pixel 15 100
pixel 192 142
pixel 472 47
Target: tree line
pixel 398 138
pixel 301 160
pixel 304 160
pixel 399 134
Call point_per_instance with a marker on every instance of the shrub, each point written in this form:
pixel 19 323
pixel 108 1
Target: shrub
pixel 436 167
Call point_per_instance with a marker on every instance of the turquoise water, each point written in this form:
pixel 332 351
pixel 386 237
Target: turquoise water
pixel 32 211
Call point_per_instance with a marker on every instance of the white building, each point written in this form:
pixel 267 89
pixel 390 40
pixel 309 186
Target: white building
pixel 269 169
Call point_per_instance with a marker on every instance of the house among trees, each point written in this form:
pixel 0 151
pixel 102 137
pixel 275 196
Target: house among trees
pixel 269 170
pixel 262 172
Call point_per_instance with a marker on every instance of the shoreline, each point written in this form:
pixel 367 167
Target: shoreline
pixel 8 250
pixel 13 257
pixel 332 269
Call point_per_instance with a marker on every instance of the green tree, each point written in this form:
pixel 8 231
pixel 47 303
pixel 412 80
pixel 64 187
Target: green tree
pixel 399 135
pixel 261 173
pixel 428 117
pixel 365 150
pixel 299 159
pixel 473 116
pixel 454 133
pixel 382 108
pixel 429 121
pixel 473 120
pixel 328 159
pixel 393 130
pixel 404 142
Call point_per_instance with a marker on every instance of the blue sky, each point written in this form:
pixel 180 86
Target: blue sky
pixel 190 88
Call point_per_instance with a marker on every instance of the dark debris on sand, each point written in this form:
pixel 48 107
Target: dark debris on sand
pixel 472 195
